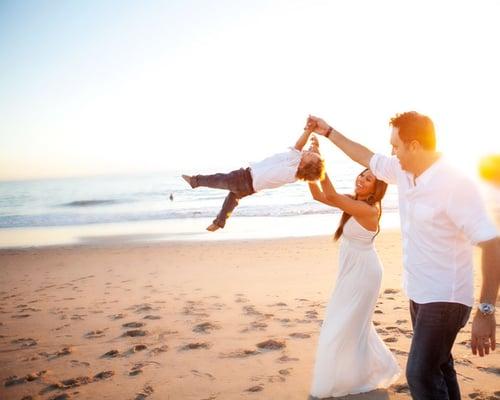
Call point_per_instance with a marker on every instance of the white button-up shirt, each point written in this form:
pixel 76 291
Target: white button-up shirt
pixel 442 216
pixel 275 171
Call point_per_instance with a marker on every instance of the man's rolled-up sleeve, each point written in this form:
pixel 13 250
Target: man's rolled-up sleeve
pixel 467 211
pixel 385 168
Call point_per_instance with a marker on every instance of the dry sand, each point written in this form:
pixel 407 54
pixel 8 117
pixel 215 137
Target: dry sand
pixel 184 320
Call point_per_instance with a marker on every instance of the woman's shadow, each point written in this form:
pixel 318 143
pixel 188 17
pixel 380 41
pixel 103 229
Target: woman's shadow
pixel 379 394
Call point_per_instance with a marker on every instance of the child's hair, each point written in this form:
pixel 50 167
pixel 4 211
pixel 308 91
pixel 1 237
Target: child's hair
pixel 313 170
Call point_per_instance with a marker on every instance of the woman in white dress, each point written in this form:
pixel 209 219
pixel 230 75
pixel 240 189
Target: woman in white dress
pixel 351 358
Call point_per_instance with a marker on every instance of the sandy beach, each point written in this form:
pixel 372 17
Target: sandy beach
pixel 235 319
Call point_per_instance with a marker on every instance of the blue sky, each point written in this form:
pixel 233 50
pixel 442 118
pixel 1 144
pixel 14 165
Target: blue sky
pixel 95 87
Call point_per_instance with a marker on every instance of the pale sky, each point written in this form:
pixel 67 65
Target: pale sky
pixel 96 87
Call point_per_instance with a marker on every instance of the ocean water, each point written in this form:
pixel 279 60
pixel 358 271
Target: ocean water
pixel 145 199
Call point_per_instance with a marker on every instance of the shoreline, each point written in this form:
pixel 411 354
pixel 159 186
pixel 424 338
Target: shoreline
pixel 189 229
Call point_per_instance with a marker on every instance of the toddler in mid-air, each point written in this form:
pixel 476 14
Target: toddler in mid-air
pixel 274 171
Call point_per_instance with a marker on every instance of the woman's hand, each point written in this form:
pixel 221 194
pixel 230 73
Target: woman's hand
pixel 314 147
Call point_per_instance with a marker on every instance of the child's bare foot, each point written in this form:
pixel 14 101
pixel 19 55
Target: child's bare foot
pixel 188 179
pixel 213 227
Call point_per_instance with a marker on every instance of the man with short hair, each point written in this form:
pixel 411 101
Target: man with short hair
pixel 442 216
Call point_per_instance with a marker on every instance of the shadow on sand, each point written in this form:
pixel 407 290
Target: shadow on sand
pixel 380 394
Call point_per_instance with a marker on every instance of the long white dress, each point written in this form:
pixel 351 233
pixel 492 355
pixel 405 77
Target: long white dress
pixel 351 358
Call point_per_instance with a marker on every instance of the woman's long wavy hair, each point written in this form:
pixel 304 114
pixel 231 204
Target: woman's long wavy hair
pixel 373 199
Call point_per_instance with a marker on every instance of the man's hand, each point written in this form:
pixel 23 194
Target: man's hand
pixel 317 125
pixel 483 334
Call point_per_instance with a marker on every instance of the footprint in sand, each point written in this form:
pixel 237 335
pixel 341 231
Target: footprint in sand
pixel 255 325
pixel 280 304
pixel 61 327
pixel 158 350
pixel 137 348
pixel 300 335
pixel 194 308
pixel 284 359
pixel 133 324
pixel 30 309
pixel 276 378
pixel 78 381
pixel 103 375
pixel 77 363
pixel 480 395
pixel 63 352
pixel 14 380
pixel 240 354
pixel 463 361
pixel 146 391
pixel 25 342
pixel 95 334
pixel 197 373
pixel 135 333
pixel 205 327
pixel 195 346
pixel 271 344
pixel 257 388
pixel 115 353
pixel 152 317
pixel 301 300
pixel 21 316
pixel 399 352
pixel 311 314
pixel 218 306
pixel 82 278
pixel 111 354
pixel 250 310
pixel 117 316
pixel 490 370
pixel 240 298
pixel 143 308
pixel 211 397
pixel 286 322
pixel 138 368
pixel 163 334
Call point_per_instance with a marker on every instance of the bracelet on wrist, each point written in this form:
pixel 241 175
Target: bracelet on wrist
pixel 328 132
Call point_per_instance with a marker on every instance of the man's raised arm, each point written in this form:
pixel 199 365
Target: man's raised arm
pixel 355 151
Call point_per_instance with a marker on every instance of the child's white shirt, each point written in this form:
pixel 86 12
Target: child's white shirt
pixel 276 170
